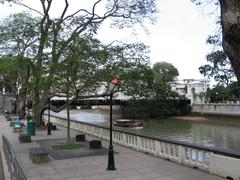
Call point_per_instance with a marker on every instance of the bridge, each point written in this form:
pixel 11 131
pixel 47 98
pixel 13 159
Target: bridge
pixel 87 102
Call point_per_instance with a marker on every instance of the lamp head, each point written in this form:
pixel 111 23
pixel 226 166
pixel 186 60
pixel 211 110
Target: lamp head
pixel 114 85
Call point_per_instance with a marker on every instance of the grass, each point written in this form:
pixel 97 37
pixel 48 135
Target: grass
pixel 66 146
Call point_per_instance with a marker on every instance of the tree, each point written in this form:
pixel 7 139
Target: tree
pixel 19 35
pixel 229 18
pixel 234 91
pixel 218 94
pixel 164 72
pixel 56 34
pixel 218 67
pixel 88 65
pixel 15 74
pixel 17 45
pixel 130 63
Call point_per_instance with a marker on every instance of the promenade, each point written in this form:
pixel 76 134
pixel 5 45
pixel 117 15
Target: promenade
pixel 130 164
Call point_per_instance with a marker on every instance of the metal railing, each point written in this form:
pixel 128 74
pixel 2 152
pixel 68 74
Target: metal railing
pixel 14 168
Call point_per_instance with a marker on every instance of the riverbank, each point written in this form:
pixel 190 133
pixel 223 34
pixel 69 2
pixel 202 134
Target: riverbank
pixel 190 118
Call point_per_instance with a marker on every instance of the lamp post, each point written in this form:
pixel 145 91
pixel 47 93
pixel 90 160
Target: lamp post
pixel 112 88
pixel 48 124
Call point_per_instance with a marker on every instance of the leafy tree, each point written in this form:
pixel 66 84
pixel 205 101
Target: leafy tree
pixel 17 45
pixel 130 63
pixel 19 34
pixel 88 65
pixel 218 67
pixel 164 72
pixel 218 94
pixel 233 91
pixel 229 20
pixel 56 34
pixel 15 74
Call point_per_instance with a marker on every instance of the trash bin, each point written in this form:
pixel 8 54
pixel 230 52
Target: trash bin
pixel 31 128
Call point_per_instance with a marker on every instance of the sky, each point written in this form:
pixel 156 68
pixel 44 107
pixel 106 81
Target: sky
pixel 179 36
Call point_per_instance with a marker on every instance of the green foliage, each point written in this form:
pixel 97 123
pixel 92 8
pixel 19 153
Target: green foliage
pixel 218 67
pixel 164 72
pixel 19 35
pixel 221 93
pixel 89 65
pixel 61 54
pixel 234 91
pixel 155 108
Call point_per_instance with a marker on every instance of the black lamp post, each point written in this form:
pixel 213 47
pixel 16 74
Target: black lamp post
pixel 112 88
pixel 49 124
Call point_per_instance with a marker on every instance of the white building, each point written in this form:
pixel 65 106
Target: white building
pixel 193 89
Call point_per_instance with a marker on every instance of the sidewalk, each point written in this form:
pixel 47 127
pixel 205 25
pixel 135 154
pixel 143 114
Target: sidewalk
pixel 130 164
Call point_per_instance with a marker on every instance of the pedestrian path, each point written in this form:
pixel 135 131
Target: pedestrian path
pixel 130 164
pixel 1 168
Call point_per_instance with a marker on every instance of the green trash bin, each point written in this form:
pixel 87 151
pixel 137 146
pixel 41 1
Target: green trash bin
pixel 31 128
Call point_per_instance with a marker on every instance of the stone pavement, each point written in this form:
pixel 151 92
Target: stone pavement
pixel 1 168
pixel 130 164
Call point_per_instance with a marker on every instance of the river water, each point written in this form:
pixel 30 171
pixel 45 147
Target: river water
pixel 213 132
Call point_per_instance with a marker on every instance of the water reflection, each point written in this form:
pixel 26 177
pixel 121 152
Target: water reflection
pixel 216 132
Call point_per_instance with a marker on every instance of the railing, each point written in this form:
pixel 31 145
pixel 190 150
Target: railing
pixel 14 169
pixel 213 160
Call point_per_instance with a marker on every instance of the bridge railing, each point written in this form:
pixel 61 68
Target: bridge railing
pixel 14 168
pixel 216 161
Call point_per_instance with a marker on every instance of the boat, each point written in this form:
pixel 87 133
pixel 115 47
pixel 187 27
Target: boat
pixel 128 123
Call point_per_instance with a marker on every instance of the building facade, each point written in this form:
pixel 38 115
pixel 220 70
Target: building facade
pixel 193 89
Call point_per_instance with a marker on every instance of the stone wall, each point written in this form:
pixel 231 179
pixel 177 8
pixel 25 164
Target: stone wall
pixel 216 109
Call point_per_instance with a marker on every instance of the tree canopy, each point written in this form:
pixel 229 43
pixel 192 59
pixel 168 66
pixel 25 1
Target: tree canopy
pixel 230 26
pixel 164 72
pixel 52 43
pixel 218 67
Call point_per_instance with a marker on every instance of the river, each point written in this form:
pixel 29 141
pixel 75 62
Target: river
pixel 222 133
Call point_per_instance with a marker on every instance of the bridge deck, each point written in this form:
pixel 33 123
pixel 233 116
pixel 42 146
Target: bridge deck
pixel 131 165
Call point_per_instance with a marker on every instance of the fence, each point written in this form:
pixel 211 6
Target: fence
pixel 216 161
pixel 14 169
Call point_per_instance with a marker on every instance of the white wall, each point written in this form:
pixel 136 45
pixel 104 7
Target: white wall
pixel 217 109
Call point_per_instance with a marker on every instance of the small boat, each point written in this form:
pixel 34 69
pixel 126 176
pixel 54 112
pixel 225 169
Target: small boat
pixel 128 123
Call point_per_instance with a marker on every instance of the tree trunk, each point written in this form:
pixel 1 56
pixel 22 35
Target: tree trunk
pixel 37 108
pixel 68 123
pixel 230 20
pixel 68 111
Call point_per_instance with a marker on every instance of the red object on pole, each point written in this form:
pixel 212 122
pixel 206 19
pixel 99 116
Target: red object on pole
pixel 116 81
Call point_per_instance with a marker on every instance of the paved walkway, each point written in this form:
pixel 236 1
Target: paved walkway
pixel 130 164
pixel 1 168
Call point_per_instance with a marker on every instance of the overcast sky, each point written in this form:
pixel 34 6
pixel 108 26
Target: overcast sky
pixel 179 37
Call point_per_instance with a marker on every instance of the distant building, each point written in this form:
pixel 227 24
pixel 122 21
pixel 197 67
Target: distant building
pixel 193 89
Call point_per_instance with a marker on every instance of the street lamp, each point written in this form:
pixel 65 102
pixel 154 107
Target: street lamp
pixel 113 87
pixel 49 95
